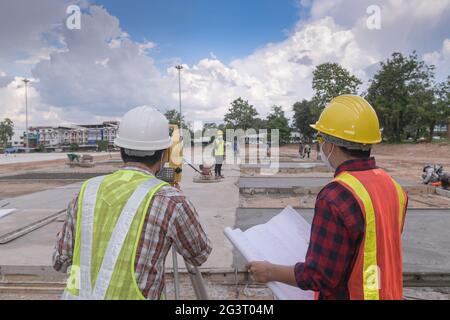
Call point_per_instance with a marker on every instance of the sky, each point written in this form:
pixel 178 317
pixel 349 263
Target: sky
pixel 124 53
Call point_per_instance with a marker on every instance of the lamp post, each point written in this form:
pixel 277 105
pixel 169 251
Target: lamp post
pixel 26 81
pixel 179 68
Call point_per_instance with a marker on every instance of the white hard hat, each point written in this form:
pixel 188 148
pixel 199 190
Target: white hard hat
pixel 143 129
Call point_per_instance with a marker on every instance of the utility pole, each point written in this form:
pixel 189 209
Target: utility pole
pixel 179 68
pixel 26 81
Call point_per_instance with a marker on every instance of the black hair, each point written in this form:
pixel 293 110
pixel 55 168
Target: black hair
pixel 356 153
pixel 147 160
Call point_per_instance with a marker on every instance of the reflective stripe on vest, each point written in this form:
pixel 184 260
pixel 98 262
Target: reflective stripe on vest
pixel 87 222
pixel 141 191
pixel 118 236
pixel 370 272
pixel 377 272
pixel 402 200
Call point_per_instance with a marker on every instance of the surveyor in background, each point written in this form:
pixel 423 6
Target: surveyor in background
pixel 118 231
pixel 219 153
pixel 355 249
pixel 306 151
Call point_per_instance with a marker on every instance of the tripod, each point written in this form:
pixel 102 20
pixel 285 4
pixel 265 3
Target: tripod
pixel 194 274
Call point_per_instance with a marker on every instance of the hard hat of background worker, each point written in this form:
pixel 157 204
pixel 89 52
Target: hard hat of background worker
pixel 349 118
pixel 219 132
pixel 142 131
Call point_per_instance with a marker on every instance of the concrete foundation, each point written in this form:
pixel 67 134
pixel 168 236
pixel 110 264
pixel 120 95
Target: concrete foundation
pixel 306 185
pixel 425 236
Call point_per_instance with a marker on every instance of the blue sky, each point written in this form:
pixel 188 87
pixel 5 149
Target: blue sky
pixel 192 29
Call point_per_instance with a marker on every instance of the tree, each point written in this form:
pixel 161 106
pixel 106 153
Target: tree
pixel 209 126
pixel 331 80
pixel 240 115
pixel 440 112
pixel 402 94
pixel 173 116
pixel 276 119
pixel 305 113
pixel 6 131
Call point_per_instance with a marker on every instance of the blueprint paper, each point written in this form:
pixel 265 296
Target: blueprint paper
pixel 282 240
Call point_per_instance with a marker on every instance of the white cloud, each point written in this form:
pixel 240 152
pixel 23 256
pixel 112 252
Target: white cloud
pixel 440 59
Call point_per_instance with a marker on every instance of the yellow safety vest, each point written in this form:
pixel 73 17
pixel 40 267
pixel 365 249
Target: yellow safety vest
pixel 110 218
pixel 219 148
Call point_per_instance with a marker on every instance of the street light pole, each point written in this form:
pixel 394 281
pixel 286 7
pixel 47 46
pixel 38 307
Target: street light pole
pixel 26 81
pixel 179 68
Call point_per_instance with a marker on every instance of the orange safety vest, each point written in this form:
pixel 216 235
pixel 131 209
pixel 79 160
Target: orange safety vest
pixel 377 272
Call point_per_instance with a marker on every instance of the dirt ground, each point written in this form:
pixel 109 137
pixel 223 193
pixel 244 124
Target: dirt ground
pixel 15 189
pixel 404 161
pixel 39 176
pixel 60 163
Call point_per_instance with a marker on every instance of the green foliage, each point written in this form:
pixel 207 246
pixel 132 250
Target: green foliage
pixel 305 113
pixel 74 147
pixel 41 148
pixel 6 132
pixel 407 100
pixel 241 115
pixel 102 145
pixel 276 119
pixel 331 80
pixel 173 116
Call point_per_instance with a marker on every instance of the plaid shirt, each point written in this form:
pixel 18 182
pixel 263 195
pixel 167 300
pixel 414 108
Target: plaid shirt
pixel 174 220
pixel 336 234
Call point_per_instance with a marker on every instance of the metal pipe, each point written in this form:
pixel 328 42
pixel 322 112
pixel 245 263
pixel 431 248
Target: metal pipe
pixel 176 277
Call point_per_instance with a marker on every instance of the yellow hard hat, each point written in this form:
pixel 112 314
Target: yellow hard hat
pixel 350 118
pixel 219 132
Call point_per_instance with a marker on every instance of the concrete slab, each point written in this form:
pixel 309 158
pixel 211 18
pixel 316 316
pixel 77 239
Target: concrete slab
pixel 304 185
pixel 443 192
pixel 425 237
pixel 289 165
pixel 216 205
pixel 283 167
pixel 34 207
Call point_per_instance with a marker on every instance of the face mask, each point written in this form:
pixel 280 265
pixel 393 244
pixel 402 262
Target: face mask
pixel 325 159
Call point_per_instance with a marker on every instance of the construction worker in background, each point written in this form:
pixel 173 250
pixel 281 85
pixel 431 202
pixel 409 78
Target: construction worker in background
pixel 306 150
pixel 118 231
pixel 355 249
pixel 219 153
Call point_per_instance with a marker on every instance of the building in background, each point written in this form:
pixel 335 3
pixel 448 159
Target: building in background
pixel 82 135
pixel 101 132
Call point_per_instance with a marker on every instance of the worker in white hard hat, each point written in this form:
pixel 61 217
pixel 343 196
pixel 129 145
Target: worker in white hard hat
pixel 118 231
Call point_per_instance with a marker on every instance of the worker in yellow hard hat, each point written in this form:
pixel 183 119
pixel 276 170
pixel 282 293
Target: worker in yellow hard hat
pixel 355 246
pixel 219 153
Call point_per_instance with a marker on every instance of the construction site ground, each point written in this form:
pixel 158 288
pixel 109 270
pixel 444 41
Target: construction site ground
pixel 25 262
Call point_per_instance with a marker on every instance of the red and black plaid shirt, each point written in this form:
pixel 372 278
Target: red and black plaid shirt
pixel 336 234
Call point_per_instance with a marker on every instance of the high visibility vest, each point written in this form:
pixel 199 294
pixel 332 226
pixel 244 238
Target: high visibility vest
pixel 219 148
pixel 377 273
pixel 110 218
